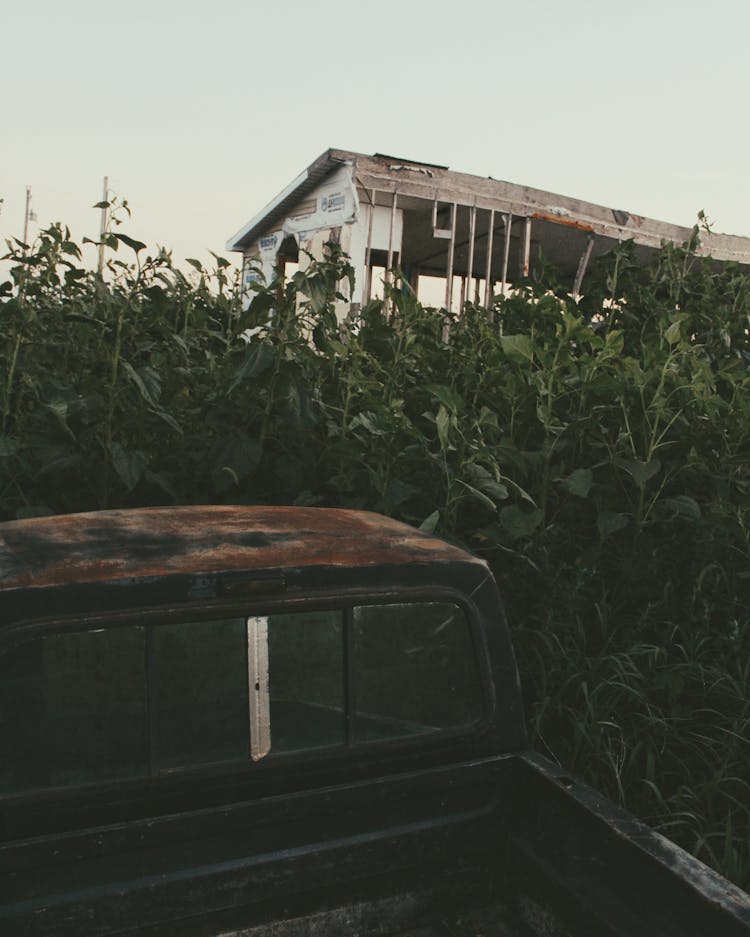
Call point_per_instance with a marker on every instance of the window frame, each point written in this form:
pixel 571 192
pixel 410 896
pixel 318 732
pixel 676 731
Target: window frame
pixel 345 755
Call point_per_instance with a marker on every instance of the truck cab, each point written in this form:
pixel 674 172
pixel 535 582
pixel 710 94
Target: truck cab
pixel 249 720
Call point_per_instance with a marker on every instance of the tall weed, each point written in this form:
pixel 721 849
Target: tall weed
pixel 595 453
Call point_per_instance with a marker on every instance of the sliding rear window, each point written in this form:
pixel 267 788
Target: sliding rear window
pixel 142 700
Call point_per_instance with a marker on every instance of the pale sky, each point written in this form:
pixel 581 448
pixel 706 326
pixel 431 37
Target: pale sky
pixel 200 113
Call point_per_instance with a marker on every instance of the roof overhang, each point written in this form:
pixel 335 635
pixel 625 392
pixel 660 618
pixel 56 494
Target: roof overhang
pixel 382 177
pixel 279 207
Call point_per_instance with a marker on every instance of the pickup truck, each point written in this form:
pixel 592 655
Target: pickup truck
pixel 293 721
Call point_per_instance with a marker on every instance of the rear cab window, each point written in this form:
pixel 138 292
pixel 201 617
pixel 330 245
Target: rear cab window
pixel 127 701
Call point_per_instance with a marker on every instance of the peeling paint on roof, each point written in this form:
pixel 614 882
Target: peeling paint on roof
pixel 109 545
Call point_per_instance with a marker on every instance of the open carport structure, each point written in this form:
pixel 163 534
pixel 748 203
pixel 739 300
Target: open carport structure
pixel 466 236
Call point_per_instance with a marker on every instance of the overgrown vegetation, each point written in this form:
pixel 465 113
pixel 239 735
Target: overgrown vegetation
pixel 596 454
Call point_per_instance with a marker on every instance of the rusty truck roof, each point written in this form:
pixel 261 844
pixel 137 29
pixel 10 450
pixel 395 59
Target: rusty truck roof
pixel 145 542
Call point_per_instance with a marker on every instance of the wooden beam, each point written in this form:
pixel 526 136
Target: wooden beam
pixel 449 265
pixel 367 285
pixel 506 248
pixel 582 265
pixel 470 264
pixel 391 234
pixel 488 264
pixel 526 250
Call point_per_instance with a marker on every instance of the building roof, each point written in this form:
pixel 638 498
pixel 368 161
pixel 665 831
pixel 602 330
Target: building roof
pixel 553 215
pixel 279 206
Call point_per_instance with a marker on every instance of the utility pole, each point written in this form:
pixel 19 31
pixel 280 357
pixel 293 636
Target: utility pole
pixel 27 215
pixel 103 228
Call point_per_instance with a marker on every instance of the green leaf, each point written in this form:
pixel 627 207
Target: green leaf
pixel 443 422
pixel 161 480
pixel 518 523
pixel 640 472
pixel 130 466
pixel 521 492
pixel 257 357
pixel 518 348
pixel 294 398
pixel 685 506
pixel 338 348
pixel 429 524
pixel 447 396
pixel 151 380
pixel 136 379
pixel 615 341
pixel 135 245
pixel 59 409
pixel 63 462
pixel 396 493
pixel 167 418
pixel 478 495
pixel 233 458
pixel 81 317
pixel 315 288
pixel 73 250
pixel 367 420
pixel 485 481
pixel 609 523
pixel 578 483
pixel 672 334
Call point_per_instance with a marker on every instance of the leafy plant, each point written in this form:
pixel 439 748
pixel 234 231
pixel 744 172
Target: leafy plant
pixel 596 453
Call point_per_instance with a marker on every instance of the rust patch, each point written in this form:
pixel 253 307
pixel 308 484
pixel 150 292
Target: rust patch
pixel 152 542
pixel 568 222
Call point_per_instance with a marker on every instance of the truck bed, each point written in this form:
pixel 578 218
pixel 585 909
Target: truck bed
pixel 544 856
pixel 380 919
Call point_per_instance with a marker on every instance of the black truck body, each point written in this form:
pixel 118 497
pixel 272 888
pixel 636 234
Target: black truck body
pixel 236 721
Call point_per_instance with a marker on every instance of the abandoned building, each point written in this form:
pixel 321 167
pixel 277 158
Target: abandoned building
pixel 454 236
